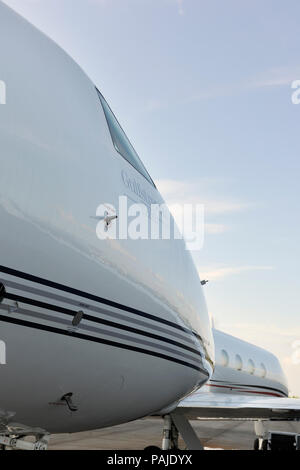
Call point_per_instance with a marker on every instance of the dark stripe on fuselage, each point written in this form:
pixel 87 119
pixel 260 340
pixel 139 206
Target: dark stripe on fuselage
pixel 95 298
pixel 102 332
pixel 119 316
pixel 261 387
pixel 115 344
pixel 102 321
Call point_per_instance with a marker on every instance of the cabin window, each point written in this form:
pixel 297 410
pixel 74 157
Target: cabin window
pixel 263 370
pixel 238 362
pixel 224 358
pixel 251 367
pixel 120 140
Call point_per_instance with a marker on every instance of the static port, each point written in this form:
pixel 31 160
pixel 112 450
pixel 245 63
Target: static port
pixel 2 292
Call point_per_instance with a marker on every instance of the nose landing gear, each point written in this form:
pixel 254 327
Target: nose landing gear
pixel 175 424
pixel 170 434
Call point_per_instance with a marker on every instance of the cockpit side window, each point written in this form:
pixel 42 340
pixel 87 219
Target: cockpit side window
pixel 120 140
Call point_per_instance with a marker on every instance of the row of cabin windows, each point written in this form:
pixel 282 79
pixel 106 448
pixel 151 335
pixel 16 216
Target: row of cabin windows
pixel 239 365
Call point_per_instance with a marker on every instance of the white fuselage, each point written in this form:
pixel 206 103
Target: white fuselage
pixel 145 340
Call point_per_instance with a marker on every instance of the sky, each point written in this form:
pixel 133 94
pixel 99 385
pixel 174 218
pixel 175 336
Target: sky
pixel 203 90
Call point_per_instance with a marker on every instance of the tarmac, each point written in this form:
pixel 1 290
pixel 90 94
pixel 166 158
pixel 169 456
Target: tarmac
pixel 139 434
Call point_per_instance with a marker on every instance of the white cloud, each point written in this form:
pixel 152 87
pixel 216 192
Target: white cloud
pixel 99 2
pixel 221 272
pixel 154 105
pixel 275 77
pixel 180 7
pixel 177 193
pixel 215 228
pixel 191 192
